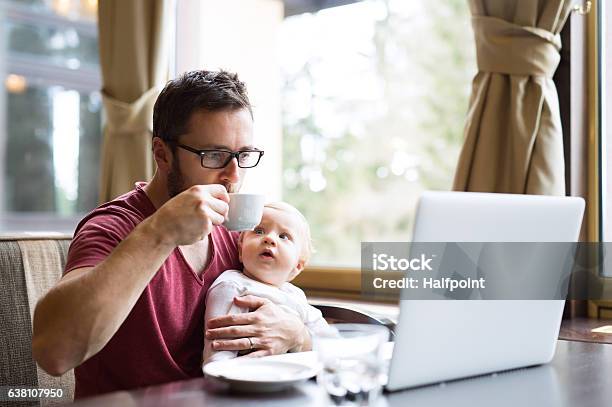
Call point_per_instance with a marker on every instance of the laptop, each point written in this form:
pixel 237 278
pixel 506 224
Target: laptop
pixel 442 340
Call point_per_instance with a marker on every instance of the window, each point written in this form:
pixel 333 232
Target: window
pixel 370 96
pixel 50 113
pixel 374 100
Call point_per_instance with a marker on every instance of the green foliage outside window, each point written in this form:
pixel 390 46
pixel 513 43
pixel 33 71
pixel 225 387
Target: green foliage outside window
pixel 401 127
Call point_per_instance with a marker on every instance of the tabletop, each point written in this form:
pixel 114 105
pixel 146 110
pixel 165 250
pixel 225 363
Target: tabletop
pixel 580 374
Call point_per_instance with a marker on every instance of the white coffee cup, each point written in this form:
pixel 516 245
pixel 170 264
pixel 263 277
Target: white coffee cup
pixel 245 211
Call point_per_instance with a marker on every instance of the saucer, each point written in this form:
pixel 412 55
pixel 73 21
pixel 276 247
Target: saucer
pixel 260 375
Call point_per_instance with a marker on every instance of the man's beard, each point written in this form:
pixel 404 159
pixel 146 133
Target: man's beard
pixel 175 181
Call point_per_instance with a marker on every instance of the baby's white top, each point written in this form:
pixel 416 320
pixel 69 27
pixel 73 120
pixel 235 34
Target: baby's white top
pixel 233 283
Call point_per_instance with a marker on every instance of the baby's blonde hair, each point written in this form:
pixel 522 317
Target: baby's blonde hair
pixel 307 248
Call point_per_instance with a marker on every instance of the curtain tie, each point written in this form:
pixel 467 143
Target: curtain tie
pixel 506 48
pixel 130 118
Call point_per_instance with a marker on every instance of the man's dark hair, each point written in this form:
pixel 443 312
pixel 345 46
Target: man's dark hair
pixel 195 90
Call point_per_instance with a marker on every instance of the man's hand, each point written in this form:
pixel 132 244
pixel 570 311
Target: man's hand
pixel 191 215
pixel 269 329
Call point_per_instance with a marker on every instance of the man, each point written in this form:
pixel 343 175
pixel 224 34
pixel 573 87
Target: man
pixel 129 310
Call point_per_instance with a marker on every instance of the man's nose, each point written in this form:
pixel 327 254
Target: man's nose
pixel 231 172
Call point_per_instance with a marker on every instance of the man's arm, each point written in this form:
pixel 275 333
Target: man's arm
pixel 78 316
pixel 271 329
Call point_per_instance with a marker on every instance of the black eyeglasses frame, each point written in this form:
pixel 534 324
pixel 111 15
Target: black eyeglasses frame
pixel 232 155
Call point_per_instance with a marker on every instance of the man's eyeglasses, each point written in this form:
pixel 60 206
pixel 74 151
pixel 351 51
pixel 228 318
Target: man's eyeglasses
pixel 215 159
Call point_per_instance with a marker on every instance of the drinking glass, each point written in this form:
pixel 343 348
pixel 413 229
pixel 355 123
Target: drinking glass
pixel 353 366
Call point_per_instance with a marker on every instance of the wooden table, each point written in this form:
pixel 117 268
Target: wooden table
pixel 581 329
pixel 579 375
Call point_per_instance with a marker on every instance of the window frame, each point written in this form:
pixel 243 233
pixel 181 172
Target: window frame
pixel 598 140
pixel 580 97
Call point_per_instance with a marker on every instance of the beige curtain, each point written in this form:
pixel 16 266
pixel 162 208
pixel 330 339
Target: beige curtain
pixel 133 56
pixel 513 138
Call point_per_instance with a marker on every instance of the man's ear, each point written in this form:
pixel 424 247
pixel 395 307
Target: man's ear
pixel 297 269
pixel 162 155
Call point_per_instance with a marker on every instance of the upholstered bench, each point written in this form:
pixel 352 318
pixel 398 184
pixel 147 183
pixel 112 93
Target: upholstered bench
pixel 30 264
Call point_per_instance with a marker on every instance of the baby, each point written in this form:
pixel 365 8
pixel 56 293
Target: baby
pixel 272 254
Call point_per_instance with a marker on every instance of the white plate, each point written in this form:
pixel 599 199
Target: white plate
pixel 260 375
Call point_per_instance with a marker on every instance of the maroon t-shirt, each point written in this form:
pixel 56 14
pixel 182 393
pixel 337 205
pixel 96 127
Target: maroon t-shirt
pixel 162 338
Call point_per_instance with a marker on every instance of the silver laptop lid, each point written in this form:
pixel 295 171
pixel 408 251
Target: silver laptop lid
pixel 445 340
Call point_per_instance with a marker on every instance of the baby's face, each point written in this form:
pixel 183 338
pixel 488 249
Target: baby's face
pixel 272 251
